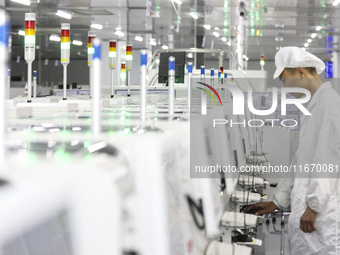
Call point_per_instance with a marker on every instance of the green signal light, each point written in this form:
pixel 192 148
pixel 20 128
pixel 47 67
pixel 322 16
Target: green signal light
pixel 62 155
pixel 65 132
pixel 88 157
pixel 87 144
pixel 31 157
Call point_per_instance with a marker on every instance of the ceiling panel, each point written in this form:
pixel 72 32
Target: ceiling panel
pixel 294 20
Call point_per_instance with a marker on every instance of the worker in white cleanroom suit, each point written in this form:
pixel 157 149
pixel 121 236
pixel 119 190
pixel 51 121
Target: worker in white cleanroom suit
pixel 314 223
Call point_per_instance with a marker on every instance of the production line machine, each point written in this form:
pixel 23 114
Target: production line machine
pixel 138 149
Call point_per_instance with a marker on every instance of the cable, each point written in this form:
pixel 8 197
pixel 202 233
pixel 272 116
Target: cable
pixel 173 4
pixel 199 208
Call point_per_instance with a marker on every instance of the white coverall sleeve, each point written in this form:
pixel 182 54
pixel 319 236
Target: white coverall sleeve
pixel 327 152
pixel 283 192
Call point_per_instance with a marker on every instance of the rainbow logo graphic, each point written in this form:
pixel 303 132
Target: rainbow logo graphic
pixel 209 93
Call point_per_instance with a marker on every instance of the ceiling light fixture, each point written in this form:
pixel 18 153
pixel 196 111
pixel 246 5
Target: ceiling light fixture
pixel 207 26
pixel 24 2
pixel 139 38
pixel 306 45
pixel 224 39
pixel 178 1
pixel 279 38
pixel 64 15
pixel 318 28
pixel 309 40
pixel 21 32
pixel 55 38
pixel 313 35
pixel 194 15
pixel 216 34
pixel 165 47
pixel 97 26
pixel 76 42
pixel 336 2
pixel 119 33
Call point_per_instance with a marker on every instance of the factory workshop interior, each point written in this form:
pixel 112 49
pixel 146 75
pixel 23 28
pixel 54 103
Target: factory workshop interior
pixel 169 127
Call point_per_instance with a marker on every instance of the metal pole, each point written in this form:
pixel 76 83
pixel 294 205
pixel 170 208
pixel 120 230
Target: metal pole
pixel 203 94
pixel 96 106
pixel 189 84
pixel 128 81
pixel 29 82
pixel 3 67
pixel 212 76
pixel 143 89
pixel 112 82
pixel 129 58
pixel 226 92
pixel 171 85
pixel 34 84
pixel 65 82
pixel 8 95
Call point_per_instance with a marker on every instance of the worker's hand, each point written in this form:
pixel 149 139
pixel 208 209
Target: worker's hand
pixel 307 221
pixel 266 207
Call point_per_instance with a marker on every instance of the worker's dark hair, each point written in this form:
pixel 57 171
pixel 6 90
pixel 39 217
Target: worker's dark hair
pixel 310 70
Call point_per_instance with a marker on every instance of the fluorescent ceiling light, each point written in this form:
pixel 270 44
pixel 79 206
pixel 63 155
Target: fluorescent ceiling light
pixel 139 38
pixel 336 2
pixel 313 35
pixel 306 45
pixel 119 33
pixel 318 28
pixel 178 1
pixel 194 15
pixel 216 34
pixel 97 26
pixel 190 55
pixel 78 43
pixel 217 28
pixel 153 42
pixel 165 47
pixel 207 26
pixel 24 2
pixel 63 14
pixel 21 32
pixel 224 39
pixel 229 43
pixel 309 40
pixel 55 38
